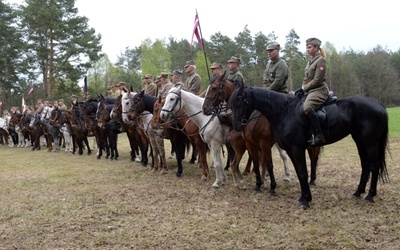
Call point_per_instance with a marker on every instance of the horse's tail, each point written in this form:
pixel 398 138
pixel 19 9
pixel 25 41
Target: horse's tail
pixel 383 146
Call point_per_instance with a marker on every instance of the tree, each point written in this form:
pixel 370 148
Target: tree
pixel 11 45
pixel 293 56
pixel 155 57
pixel 61 44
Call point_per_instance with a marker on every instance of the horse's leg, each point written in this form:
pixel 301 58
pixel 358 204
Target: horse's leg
pixel 203 149
pixel 285 158
pixel 195 153
pixel 164 166
pixel 217 163
pixel 298 158
pixel 365 168
pixel 247 169
pixel 313 153
pixel 239 149
pixel 269 166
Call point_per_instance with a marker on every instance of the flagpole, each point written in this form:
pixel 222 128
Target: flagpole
pixel 204 47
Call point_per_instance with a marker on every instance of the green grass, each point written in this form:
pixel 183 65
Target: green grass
pixel 394 121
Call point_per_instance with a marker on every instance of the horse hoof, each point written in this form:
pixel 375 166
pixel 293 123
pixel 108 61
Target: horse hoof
pixel 286 178
pixel 304 205
pixel 312 184
pixel 178 175
pixel 369 198
pixel 215 185
pixel 272 192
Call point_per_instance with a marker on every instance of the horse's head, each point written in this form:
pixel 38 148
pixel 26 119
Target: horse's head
pixel 173 103
pixel 241 108
pixel 138 105
pixel 117 108
pixel 126 103
pixel 217 93
pixel 54 115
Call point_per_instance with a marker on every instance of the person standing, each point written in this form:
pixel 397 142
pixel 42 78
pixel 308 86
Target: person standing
pixel 216 69
pixel 234 72
pixel 117 92
pixel 314 87
pixel 276 72
pixel 149 86
pixel 110 92
pixel 193 82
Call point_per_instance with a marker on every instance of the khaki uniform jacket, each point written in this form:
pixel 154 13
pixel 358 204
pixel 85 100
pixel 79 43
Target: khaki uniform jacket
pixel 117 93
pixel 276 75
pixel 63 106
pixel 193 83
pixel 314 84
pixel 150 89
pixel 165 87
pixel 235 76
pixel 40 109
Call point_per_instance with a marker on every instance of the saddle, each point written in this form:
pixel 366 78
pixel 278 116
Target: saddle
pixel 327 113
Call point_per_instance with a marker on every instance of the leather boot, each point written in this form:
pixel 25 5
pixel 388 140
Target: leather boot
pixel 317 137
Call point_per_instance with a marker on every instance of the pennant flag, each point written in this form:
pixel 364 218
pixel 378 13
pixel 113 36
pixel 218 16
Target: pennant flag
pixel 85 85
pixel 30 91
pixel 23 105
pixel 1 104
pixel 197 34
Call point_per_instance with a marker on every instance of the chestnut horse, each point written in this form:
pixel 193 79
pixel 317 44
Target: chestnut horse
pixel 189 128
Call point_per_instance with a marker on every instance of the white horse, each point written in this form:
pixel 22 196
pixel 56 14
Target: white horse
pixel 211 130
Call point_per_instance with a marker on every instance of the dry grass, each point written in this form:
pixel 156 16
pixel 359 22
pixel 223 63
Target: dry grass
pixel 59 200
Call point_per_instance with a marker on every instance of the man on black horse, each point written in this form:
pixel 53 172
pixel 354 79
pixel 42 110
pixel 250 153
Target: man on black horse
pixel 314 87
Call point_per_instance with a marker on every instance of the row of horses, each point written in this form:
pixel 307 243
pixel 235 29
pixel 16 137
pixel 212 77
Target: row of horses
pixel 261 119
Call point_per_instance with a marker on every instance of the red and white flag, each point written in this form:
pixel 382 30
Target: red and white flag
pixel 197 34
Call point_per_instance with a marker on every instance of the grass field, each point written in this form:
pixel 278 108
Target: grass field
pixel 394 121
pixel 62 201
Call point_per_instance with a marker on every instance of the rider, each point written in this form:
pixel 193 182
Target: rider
pixel 314 87
pixel 276 72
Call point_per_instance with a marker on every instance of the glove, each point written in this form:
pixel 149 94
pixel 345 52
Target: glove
pixel 299 93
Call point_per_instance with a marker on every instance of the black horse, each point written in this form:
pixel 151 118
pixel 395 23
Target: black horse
pixel 362 117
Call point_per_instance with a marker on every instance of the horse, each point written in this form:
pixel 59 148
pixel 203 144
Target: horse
pixel 59 119
pixel 219 90
pixel 39 128
pixel 211 130
pixel 365 118
pixel 79 132
pixel 136 125
pixel 189 128
pixel 142 102
pixel 134 135
pixel 89 112
pixel 111 127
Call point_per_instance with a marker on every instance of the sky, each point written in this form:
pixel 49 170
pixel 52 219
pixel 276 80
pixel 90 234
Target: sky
pixel 347 24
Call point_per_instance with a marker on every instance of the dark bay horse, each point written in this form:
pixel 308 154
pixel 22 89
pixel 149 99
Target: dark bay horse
pixel 137 140
pixel 142 102
pixel 189 128
pixel 79 131
pixel 363 117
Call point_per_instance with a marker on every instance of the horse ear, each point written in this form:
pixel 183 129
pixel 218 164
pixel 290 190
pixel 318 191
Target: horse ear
pixel 222 76
pixel 241 88
pixel 131 89
pixel 159 98
pixel 141 94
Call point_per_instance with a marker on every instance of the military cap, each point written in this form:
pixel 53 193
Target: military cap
pixel 122 84
pixel 157 79
pixel 216 65
pixel 234 60
pixel 176 72
pixel 117 85
pixel 273 46
pixel 164 75
pixel 313 41
pixel 109 87
pixel 73 96
pixel 148 76
pixel 188 63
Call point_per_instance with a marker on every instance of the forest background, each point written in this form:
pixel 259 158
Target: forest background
pixel 48 46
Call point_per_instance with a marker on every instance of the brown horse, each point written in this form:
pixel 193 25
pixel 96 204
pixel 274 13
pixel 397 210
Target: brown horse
pixel 189 128
pixel 258 133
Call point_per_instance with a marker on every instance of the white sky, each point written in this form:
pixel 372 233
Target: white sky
pixel 356 24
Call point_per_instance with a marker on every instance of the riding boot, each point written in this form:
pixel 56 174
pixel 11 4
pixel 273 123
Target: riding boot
pixel 317 137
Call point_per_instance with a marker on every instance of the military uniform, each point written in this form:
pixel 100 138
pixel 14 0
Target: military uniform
pixel 235 75
pixel 275 76
pixel 193 82
pixel 314 85
pixel 316 90
pixel 166 85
